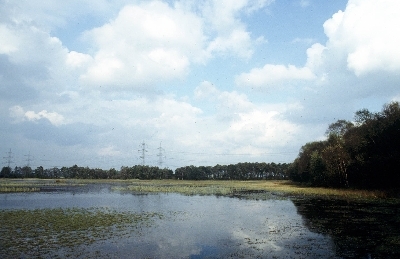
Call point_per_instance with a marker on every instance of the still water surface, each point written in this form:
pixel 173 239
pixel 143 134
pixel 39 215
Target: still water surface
pixel 194 226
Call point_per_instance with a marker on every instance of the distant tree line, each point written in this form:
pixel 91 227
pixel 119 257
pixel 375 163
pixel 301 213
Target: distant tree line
pixel 360 154
pixel 241 171
pixel 77 172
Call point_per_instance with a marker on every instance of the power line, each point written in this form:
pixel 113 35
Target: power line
pixel 233 154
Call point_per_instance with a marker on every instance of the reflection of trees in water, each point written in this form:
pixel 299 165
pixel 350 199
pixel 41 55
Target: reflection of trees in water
pixel 359 229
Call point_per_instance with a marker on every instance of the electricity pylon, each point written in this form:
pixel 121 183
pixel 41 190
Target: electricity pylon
pixel 143 150
pixel 160 156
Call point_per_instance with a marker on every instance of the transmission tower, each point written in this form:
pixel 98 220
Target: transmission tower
pixel 28 160
pixel 8 158
pixel 160 156
pixel 143 152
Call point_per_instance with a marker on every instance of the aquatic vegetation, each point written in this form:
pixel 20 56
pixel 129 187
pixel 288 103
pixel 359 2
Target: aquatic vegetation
pixel 18 189
pixel 246 189
pixel 191 187
pixel 183 189
pixel 34 185
pixel 37 232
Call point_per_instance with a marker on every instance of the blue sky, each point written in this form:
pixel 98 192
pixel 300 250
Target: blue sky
pixel 213 82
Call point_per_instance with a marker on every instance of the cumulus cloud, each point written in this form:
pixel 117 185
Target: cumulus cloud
pixel 34 62
pixel 144 43
pixel 264 128
pixel 8 41
pixel 232 36
pixel 156 41
pixel 76 60
pixel 361 51
pixel 245 127
pixel 272 75
pixel 227 104
pixel 238 41
pixel 19 115
pixel 366 33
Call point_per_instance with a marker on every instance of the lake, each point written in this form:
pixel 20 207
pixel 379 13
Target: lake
pixel 190 226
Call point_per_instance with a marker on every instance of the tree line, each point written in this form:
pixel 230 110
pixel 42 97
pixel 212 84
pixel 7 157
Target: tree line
pixel 78 172
pixel 240 171
pixel 360 154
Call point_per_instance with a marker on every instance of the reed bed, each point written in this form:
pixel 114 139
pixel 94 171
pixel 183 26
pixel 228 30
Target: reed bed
pixel 33 184
pixel 189 187
pixel 183 189
pixel 18 189
pixel 227 188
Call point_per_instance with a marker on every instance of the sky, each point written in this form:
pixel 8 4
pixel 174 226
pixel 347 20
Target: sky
pixel 99 83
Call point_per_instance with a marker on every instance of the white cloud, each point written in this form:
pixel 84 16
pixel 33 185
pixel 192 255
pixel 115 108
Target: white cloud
pixel 314 56
pixel 27 45
pixel 205 89
pixel 366 34
pixel 145 43
pixel 227 104
pixel 264 128
pixel 156 41
pixel 272 75
pixel 77 60
pixel 238 41
pixel 223 17
pixel 19 115
pixel 244 127
pixel 8 41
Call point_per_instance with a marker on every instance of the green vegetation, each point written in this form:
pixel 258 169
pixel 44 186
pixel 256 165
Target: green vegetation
pixel 33 185
pixel 36 232
pixel 240 171
pixel 18 189
pixel 201 187
pixel 362 155
pixel 239 188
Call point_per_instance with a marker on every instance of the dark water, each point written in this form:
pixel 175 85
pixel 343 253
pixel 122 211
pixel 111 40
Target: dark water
pixel 201 226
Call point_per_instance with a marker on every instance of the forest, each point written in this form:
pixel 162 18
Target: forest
pixel 240 171
pixel 361 154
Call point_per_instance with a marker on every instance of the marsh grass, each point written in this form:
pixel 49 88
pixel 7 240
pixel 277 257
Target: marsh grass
pixel 234 188
pixel 40 231
pixel 205 187
pixel 33 184
pixel 18 189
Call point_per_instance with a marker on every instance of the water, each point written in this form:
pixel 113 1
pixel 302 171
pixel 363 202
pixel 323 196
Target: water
pixel 193 226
